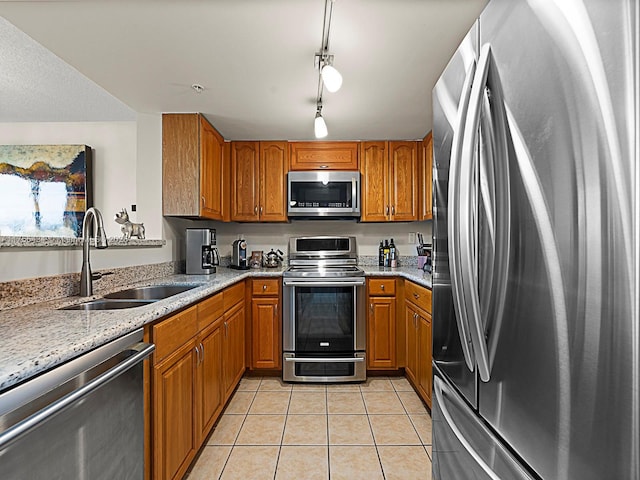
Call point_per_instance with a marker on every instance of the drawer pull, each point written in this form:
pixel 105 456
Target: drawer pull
pixel 415 295
pixel 381 287
pixel 264 287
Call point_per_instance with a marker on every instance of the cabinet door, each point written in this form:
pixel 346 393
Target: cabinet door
pixel 374 179
pixel 424 357
pixel 404 186
pixel 209 379
pixel 411 367
pixel 324 155
pixel 173 426
pixel 426 165
pixel 274 163
pixel 233 348
pixel 244 181
pixel 381 334
pixel 265 331
pixel 180 164
pixel 211 178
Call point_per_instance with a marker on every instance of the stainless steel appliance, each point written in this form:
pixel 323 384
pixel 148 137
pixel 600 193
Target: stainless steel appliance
pixel 536 244
pixel 324 316
pixel 84 419
pixel 324 194
pixel 202 254
pixel 239 259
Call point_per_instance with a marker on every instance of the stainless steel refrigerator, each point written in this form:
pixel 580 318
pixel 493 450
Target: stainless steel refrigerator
pixel 536 341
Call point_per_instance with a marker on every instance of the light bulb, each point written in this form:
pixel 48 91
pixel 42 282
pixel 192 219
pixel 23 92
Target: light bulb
pixel 331 78
pixel 319 127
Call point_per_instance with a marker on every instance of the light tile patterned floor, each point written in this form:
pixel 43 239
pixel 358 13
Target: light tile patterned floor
pixel 273 430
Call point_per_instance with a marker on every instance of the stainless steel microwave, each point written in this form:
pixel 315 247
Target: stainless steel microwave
pixel 323 194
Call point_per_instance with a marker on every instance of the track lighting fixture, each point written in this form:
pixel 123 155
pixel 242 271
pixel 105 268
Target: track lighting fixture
pixel 328 75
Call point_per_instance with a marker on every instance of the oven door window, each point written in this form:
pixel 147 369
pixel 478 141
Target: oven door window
pixel 324 319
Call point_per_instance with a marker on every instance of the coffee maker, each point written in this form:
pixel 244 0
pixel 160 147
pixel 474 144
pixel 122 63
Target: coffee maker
pixel 239 255
pixel 202 254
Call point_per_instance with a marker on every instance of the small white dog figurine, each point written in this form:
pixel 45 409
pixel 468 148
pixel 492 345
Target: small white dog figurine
pixel 129 229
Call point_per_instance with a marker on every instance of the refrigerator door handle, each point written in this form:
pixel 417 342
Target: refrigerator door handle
pixel 440 390
pixel 453 220
pixel 495 193
pixel 467 226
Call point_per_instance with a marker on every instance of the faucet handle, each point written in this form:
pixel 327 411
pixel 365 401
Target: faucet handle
pixel 99 275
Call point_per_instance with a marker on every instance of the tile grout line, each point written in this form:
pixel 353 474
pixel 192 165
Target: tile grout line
pixel 240 429
pixel 375 442
pixel 326 412
pixel 284 428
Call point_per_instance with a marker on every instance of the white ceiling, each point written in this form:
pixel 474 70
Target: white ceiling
pixel 253 57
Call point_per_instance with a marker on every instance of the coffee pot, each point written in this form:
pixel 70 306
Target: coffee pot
pixel 272 259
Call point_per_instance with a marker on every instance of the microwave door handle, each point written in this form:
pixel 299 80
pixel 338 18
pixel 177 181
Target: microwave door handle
pixel 354 193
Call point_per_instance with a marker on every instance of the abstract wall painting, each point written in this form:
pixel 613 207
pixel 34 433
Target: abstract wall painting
pixel 45 190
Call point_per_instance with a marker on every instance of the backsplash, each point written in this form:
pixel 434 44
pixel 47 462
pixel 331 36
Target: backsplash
pixel 34 290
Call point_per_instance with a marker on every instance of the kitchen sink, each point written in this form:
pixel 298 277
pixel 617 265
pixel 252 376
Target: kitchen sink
pixel 153 292
pixel 108 304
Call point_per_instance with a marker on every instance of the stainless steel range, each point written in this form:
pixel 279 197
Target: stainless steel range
pixel 324 329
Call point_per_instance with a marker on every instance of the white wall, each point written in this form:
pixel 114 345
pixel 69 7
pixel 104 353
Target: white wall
pixel 127 171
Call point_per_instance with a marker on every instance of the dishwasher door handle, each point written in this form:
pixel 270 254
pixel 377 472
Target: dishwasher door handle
pixel 141 351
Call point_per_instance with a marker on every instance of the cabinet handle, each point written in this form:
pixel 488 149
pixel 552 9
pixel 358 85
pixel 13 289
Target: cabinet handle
pixel 381 287
pixel 371 308
pixel 226 329
pixel 202 352
pixel 204 201
pixel 393 210
pixel 261 210
pixel 264 287
pixel 387 210
pixel 276 311
pixel 197 355
pixel 415 295
pixel 255 209
pixel 324 166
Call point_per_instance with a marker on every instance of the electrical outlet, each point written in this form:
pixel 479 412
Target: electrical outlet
pixel 412 238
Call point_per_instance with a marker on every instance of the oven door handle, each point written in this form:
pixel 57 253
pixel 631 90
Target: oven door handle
pixel 323 283
pixel 324 360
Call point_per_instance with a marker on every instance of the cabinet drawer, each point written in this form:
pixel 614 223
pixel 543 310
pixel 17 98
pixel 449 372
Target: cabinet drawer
pixel 209 310
pixel 265 286
pixel 233 295
pixel 324 156
pixel 382 286
pixel 418 295
pixel 170 334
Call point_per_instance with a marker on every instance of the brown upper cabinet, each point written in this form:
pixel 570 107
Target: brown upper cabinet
pixel 389 181
pixel 324 155
pixel 192 167
pixel 426 175
pixel 259 181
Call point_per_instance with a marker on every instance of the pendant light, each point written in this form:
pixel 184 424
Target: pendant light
pixel 319 125
pixel 331 78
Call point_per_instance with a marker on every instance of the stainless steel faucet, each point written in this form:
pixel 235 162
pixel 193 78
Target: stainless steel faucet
pixel 86 277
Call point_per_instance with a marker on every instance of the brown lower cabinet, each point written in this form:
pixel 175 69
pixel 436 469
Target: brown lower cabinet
pixel 381 324
pixel 417 316
pixel 198 362
pixel 266 324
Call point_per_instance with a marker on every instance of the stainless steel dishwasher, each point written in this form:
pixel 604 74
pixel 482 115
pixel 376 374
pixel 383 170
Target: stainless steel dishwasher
pixel 81 420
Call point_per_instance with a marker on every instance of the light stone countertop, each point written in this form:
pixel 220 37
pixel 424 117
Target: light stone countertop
pixel 36 338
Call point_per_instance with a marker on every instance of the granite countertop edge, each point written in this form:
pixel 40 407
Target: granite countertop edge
pixel 36 338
